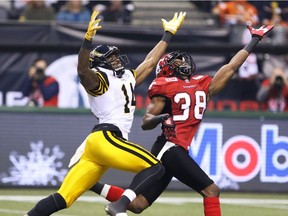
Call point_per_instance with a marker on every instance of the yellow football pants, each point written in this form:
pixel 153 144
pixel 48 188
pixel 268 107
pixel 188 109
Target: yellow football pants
pixel 103 150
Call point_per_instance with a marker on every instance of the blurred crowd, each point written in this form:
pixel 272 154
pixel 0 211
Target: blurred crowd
pixel 65 10
pixel 262 78
pixel 228 12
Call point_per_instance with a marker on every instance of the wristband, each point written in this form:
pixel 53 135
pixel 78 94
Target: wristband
pixel 167 37
pixel 87 44
pixel 251 45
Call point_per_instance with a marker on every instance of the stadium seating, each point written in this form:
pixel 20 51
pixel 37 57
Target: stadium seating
pixel 152 12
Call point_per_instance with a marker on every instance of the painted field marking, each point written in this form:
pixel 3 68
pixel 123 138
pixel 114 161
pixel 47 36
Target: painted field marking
pixel 169 200
pixel 264 203
pixel 23 212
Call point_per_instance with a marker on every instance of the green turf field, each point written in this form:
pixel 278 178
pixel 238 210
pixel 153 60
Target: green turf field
pixel 18 201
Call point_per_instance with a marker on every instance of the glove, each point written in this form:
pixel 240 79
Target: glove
pixel 158 119
pixel 173 25
pixel 163 117
pixel 93 26
pixel 260 32
pixel 168 128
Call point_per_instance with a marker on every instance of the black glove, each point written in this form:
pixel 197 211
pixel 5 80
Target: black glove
pixel 159 119
pixel 168 128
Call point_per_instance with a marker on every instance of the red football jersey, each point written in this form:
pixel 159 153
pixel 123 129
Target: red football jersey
pixel 188 99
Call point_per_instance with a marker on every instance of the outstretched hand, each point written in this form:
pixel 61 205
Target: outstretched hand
pixel 260 32
pixel 93 26
pixel 173 25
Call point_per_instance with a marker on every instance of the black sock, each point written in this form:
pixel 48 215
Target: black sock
pixel 48 205
pixel 97 188
pixel 146 177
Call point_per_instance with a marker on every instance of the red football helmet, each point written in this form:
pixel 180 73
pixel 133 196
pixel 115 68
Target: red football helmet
pixel 167 67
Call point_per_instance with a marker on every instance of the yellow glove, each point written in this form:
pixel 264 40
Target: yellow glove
pixel 173 25
pixel 93 26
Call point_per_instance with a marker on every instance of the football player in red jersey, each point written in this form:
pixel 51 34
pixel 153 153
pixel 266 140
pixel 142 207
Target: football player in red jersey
pixel 178 101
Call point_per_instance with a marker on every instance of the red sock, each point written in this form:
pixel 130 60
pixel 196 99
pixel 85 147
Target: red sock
pixel 212 206
pixel 114 193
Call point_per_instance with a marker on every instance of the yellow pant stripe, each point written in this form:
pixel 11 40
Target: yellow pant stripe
pixel 131 147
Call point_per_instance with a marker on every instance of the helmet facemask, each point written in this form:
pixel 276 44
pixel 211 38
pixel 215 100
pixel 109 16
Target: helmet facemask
pixel 175 64
pixel 187 67
pixel 101 57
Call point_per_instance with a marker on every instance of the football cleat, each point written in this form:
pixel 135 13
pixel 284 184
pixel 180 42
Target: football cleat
pixel 113 209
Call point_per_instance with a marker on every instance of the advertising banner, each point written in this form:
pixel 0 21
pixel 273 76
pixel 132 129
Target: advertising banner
pixel 238 153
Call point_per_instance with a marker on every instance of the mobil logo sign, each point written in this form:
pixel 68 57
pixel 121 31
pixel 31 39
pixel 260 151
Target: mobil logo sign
pixel 240 157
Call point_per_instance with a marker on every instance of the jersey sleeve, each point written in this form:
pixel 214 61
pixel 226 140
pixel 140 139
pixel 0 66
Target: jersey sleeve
pixel 134 73
pixel 161 87
pixel 203 81
pixel 103 85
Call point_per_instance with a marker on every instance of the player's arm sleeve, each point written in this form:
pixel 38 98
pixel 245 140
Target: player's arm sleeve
pixel 204 82
pixel 158 88
pixel 103 85
pixel 133 71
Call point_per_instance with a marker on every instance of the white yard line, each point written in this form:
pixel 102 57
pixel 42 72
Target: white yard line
pixel 27 198
pixel 169 200
pixel 264 203
pixel 12 211
pixel 23 212
pixel 235 201
pixel 263 206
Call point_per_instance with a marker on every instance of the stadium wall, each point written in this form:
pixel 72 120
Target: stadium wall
pixel 241 151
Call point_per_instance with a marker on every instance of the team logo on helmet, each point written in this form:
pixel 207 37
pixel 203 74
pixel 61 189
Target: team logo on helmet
pixel 168 66
pixel 164 67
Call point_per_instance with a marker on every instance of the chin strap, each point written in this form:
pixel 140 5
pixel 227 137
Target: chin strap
pixel 118 73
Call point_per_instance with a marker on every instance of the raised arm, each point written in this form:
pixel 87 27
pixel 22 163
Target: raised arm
pixel 151 60
pixel 88 77
pixel 227 71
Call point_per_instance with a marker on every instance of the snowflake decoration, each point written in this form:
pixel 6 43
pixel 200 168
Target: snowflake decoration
pixel 40 167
